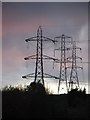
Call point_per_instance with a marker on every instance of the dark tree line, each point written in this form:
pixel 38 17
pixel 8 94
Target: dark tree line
pixel 35 101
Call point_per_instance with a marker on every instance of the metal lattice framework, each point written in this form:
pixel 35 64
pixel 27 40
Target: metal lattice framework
pixel 73 74
pixel 63 60
pixel 39 74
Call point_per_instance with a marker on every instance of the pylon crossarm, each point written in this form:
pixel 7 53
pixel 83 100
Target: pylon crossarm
pixel 79 67
pixel 70 48
pixel 58 37
pixel 48 57
pixel 63 36
pixel 48 39
pixel 73 48
pixel 60 49
pixel 31 39
pixel 44 57
pixel 75 67
pixel 76 57
pixel 44 39
pixel 28 75
pixel 45 76
pixel 59 61
pixel 51 76
pixel 30 57
pixel 78 48
pixel 68 61
pixel 67 36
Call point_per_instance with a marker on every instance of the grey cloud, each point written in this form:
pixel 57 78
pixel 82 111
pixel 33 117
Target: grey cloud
pixel 65 18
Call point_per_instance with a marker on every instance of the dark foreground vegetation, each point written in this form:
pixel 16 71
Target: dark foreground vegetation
pixel 34 102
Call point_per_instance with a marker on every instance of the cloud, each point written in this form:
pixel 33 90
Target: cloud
pixel 27 26
pixel 22 22
pixel 12 58
pixel 0 22
pixel 83 43
pixel 83 35
pixel 83 39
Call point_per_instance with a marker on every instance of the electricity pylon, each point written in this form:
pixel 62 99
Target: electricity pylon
pixel 39 74
pixel 74 81
pixel 63 60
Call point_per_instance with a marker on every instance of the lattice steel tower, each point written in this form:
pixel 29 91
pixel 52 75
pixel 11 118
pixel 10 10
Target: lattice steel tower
pixel 73 74
pixel 39 59
pixel 63 59
pixel 39 75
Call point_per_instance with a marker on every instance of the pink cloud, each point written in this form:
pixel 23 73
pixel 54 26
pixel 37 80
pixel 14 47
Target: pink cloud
pixel 24 26
pixel 0 30
pixel 0 58
pixel 12 58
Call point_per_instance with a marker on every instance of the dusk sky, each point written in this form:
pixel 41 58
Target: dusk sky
pixel 21 21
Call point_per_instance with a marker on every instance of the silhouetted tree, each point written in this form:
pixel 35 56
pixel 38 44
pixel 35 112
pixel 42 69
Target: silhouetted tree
pixel 84 90
pixel 76 96
pixel 36 88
